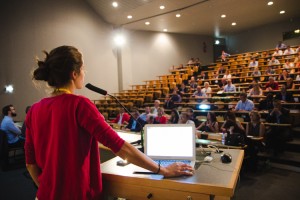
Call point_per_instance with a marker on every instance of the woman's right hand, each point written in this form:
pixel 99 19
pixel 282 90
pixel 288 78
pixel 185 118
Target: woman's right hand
pixel 177 169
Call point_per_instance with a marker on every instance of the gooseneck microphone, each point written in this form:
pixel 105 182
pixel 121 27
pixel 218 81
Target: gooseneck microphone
pixel 104 92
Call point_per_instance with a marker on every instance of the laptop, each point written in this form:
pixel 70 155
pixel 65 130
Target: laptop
pixel 168 143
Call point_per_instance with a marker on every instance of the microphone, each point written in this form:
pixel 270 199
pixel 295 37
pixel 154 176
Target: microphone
pixel 96 89
pixel 104 92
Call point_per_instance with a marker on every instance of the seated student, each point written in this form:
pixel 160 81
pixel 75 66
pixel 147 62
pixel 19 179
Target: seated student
pixel 255 90
pixel 270 71
pixel 222 83
pixel 210 125
pixel 284 95
pixel 183 89
pixel 173 98
pixel 174 117
pixel 225 54
pixel 235 134
pixel 150 120
pixel 203 76
pixel 144 115
pixel 13 133
pixel 288 65
pixel 244 104
pixel 283 76
pixel 192 83
pixel 281 45
pixel 256 73
pixel 160 118
pixel 230 116
pixel 227 74
pixel 198 94
pixel 272 84
pixel 190 113
pixel 267 103
pixel 122 118
pixel 254 128
pixel 184 119
pixel 277 52
pixel 206 90
pixel 253 63
pixel 288 50
pixel 229 87
pixel 275 138
pixel 221 71
pixel 135 124
pixel 154 110
pixel 273 61
pixel 290 84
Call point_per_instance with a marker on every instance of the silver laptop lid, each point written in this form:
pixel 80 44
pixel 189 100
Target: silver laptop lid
pixel 170 141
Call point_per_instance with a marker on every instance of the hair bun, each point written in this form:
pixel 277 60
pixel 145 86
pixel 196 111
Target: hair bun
pixel 42 72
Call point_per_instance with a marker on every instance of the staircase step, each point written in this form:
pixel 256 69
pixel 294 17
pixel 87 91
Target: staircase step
pixel 287 157
pixel 293 145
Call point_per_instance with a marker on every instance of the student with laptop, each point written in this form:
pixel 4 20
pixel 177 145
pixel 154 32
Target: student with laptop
pixel 63 132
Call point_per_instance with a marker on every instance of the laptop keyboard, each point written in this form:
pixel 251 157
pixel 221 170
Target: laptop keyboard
pixel 165 163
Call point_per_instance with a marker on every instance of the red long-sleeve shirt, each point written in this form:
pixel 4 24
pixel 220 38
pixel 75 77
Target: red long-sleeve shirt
pixel 62 140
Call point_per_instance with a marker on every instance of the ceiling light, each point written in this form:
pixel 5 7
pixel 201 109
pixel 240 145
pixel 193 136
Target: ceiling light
pixel 233 23
pixel 129 16
pixel 223 16
pixel 9 89
pixel 115 4
pixel 297 31
pixel 282 12
pixel 217 42
pixel 270 3
pixel 178 15
pixel 162 7
pixel 165 30
pixel 147 23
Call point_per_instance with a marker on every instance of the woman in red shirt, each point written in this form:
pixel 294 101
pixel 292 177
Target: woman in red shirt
pixel 63 131
pixel 160 119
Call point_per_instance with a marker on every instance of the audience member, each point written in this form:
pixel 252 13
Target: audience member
pixel 255 91
pixel 13 133
pixel 61 147
pixel 203 76
pixel 144 116
pixel 23 129
pixel 270 71
pixel 136 123
pixel 192 116
pixel 288 51
pixel 256 73
pixel 277 52
pixel 281 45
pixel 154 110
pixel 284 95
pixel 160 118
pixel 235 134
pixel 221 71
pixel 244 104
pixel 253 63
pixel 290 84
pixel 271 84
pixel 284 75
pixel 288 65
pixel 227 74
pixel 192 83
pixel 231 116
pixel 122 118
pixel 225 54
pixel 151 120
pixel 210 125
pixel 184 119
pixel 174 117
pixel 191 61
pixel 206 90
pixel 229 87
pixel 173 98
pixel 183 89
pixel 273 61
pixel 267 103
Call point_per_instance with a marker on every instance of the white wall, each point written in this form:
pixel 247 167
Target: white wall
pixel 28 27
pixel 147 55
pixel 262 38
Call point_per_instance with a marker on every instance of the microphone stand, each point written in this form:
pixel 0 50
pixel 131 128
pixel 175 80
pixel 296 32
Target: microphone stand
pixel 141 141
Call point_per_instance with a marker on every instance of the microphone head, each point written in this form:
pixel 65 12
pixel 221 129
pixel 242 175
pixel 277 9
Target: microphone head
pixel 96 89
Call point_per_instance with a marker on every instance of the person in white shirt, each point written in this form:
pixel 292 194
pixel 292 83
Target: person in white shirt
pixel 227 74
pixel 288 51
pixel 206 90
pixel 256 72
pixel 184 119
pixel 155 108
pixel 229 87
pixel 253 63
pixel 277 52
pixel 273 61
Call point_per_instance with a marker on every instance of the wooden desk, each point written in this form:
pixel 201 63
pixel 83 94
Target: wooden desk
pixel 213 180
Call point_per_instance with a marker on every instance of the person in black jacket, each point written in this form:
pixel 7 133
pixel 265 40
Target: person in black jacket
pixel 284 95
pixel 135 124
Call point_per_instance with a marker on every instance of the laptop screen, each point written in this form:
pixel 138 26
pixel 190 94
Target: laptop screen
pixel 170 141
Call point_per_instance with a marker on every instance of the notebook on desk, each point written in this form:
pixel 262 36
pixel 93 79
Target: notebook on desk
pixel 168 143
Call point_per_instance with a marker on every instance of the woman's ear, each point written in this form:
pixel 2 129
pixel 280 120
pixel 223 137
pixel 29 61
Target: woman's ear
pixel 73 75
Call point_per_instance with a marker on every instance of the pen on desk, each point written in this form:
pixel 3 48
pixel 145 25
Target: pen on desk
pixel 137 172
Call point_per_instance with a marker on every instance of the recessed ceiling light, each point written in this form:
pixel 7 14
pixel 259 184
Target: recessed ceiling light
pixel 282 12
pixel 115 4
pixel 162 7
pixel 165 30
pixel 297 31
pixel 147 23
pixel 223 16
pixel 233 23
pixel 270 3
pixel 129 16
pixel 178 15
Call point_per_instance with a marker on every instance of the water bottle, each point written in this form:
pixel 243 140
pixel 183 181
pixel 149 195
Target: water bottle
pixel 224 138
